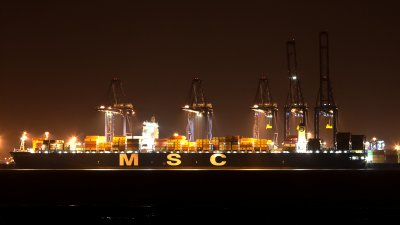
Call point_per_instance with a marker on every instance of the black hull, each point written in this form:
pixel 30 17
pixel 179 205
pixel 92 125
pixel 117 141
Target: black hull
pixel 27 160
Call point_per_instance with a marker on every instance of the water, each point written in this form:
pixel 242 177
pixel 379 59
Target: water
pixel 198 196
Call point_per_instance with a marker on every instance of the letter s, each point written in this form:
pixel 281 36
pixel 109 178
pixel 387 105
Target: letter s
pixel 174 159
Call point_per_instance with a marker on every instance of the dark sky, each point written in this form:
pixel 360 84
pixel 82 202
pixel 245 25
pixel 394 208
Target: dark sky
pixel 57 60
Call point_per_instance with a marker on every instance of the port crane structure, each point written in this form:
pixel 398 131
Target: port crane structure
pixel 264 106
pixel 325 105
pixel 295 105
pixel 116 106
pixel 198 106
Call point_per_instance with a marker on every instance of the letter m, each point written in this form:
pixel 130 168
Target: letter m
pixel 125 161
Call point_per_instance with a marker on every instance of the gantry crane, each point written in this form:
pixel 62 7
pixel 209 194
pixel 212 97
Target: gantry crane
pixel 295 105
pixel 198 107
pixel 264 105
pixel 325 105
pixel 117 107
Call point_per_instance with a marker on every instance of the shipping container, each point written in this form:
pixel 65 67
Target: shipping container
pixel 343 141
pixel 314 144
pixel 358 142
pixel 37 143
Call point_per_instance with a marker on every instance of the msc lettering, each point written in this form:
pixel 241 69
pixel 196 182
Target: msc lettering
pixel 173 159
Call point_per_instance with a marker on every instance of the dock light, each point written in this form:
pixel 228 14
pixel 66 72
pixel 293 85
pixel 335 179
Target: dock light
pixel 72 143
pixel 72 140
pixel 255 106
pixel 186 106
pixel 24 136
pixel 102 107
pixel 397 147
pixel 46 135
pixel 176 134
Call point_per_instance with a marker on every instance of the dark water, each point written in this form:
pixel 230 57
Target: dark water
pixel 191 196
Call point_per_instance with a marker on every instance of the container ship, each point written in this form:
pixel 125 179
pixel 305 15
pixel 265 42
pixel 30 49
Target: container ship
pixel 150 152
pixel 298 150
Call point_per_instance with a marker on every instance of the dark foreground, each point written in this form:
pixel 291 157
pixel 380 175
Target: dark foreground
pixel 206 197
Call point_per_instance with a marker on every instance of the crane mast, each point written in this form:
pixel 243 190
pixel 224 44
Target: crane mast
pixel 117 106
pixel 325 105
pixel 264 106
pixel 197 107
pixel 295 105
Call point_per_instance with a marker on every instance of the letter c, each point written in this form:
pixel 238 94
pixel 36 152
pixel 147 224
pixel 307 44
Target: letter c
pixel 214 161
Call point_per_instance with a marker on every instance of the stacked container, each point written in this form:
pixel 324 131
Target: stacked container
pixel 343 140
pixel 192 146
pixel 132 143
pixel 358 142
pixel 161 144
pixel 232 143
pixel 96 143
pixel 215 143
pixel 204 144
pixel 119 143
pixel 222 143
pixel 261 144
pixel 247 144
pixel 37 143
pixel 177 143
pixel 53 144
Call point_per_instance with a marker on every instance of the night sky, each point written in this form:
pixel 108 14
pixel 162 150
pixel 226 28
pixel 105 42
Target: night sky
pixel 57 59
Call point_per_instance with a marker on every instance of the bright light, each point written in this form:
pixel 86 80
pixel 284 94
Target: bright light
pixel 255 106
pixel 309 135
pixel 294 78
pixel 72 143
pixel 102 107
pixel 397 147
pixel 176 134
pixel 186 106
pixel 24 136
pixel 46 135
pixel 72 140
pixel 374 138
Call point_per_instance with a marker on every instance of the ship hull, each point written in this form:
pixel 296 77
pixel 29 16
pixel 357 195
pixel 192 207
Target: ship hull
pixel 160 160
